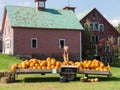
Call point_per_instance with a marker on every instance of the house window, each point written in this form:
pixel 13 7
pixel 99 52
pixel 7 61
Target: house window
pixel 95 38
pixel 106 60
pixel 111 59
pixel 7 44
pixel 109 37
pixel 61 43
pixel 101 58
pixel 101 27
pixel 34 42
pixel 107 48
pixel 95 48
pixel 94 26
pixel 7 30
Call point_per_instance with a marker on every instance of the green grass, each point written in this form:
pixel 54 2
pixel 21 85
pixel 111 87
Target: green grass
pixel 51 81
pixel 6 61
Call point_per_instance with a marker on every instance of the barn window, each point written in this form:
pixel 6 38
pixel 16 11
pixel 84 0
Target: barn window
pixel 34 42
pixel 61 43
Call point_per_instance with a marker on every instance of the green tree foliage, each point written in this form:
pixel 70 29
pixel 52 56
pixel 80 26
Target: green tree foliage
pixel 118 28
pixel 117 54
pixel 88 50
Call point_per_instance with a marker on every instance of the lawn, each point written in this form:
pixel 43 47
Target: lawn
pixel 6 61
pixel 51 81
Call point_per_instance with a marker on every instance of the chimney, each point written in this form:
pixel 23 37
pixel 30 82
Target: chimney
pixel 40 4
pixel 69 8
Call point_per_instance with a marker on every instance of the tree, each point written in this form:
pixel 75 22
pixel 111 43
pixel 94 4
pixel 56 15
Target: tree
pixel 88 50
pixel 117 54
pixel 111 51
pixel 118 28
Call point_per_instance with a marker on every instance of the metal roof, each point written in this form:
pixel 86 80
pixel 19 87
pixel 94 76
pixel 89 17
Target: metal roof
pixel 49 18
pixel 81 15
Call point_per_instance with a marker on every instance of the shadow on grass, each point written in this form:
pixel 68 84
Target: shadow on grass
pixel 111 79
pixel 57 79
pixel 38 79
pixel 42 79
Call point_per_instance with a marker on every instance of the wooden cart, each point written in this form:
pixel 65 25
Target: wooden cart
pixel 67 73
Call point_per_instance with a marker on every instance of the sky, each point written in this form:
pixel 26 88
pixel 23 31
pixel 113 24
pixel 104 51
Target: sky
pixel 110 9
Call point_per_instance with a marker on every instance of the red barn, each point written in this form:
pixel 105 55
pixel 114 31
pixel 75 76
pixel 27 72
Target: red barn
pixel 104 35
pixel 28 31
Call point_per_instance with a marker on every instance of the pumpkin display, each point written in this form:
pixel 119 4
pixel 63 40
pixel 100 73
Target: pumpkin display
pixel 51 63
pixel 92 65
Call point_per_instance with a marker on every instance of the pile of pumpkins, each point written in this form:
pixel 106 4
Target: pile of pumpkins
pixel 51 63
pixel 92 65
pixel 37 64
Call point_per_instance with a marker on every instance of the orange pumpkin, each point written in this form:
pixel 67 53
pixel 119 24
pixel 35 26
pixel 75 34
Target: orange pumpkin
pixel 43 63
pixel 43 67
pixel 48 63
pixel 108 67
pixel 48 59
pixel 58 63
pixel 14 67
pixel 53 61
pixel 101 65
pixel 32 65
pixel 52 66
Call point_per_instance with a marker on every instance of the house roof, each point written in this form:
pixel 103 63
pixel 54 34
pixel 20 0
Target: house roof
pixel 49 18
pixel 81 15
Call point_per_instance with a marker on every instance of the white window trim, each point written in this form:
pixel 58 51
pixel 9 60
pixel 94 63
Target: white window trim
pixel 36 42
pixel 96 50
pixel 59 42
pixel 102 27
pixel 94 37
pixel 97 26
pixel 94 27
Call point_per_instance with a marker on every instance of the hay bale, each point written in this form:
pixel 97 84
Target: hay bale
pixel 1 74
pixel 10 76
pixel 5 80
